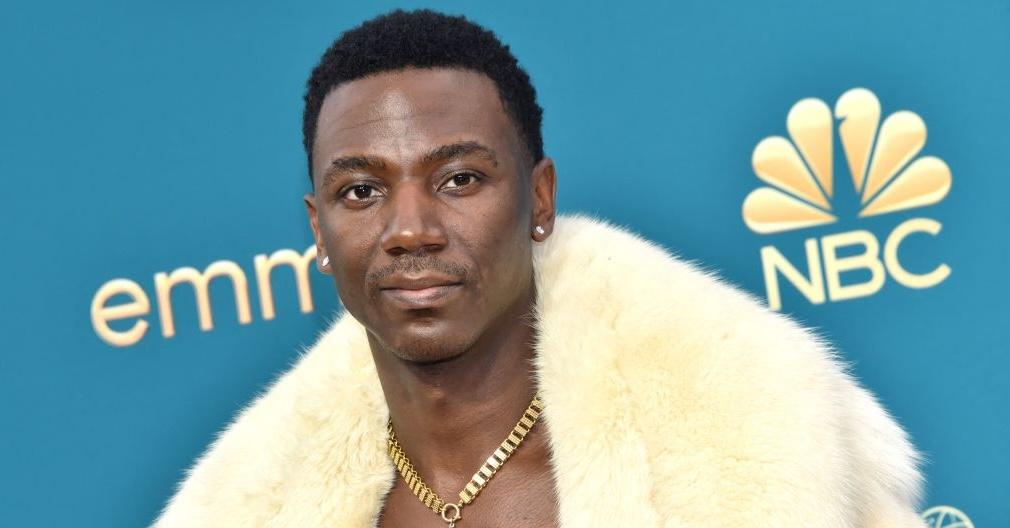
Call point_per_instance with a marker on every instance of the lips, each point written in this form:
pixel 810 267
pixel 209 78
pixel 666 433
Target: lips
pixel 424 298
pixel 428 291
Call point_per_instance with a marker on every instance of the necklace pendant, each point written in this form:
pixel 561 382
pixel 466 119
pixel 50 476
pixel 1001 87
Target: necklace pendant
pixel 451 513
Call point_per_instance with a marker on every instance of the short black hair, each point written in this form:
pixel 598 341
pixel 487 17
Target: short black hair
pixel 424 39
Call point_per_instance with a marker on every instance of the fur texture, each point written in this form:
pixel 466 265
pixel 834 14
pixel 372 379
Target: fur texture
pixel 671 399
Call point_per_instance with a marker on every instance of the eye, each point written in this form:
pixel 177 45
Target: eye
pixel 460 180
pixel 359 192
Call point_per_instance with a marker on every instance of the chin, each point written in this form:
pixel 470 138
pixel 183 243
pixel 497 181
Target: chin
pixel 429 343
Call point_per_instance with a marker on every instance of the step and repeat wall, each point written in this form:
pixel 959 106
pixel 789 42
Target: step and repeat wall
pixel 846 162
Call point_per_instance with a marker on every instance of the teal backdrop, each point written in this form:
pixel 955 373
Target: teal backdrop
pixel 142 137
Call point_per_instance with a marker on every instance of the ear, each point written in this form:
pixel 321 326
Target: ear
pixel 310 207
pixel 544 187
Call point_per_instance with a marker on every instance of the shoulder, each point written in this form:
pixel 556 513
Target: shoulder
pixel 243 478
pixel 733 400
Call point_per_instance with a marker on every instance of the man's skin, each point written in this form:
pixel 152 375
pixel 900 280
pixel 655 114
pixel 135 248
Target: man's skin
pixel 419 172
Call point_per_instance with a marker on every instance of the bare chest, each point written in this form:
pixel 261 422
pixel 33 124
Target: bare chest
pixel 524 496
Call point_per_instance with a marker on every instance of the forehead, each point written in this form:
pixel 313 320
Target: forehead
pixel 402 114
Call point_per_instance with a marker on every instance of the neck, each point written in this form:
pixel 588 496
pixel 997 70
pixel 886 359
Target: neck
pixel 449 416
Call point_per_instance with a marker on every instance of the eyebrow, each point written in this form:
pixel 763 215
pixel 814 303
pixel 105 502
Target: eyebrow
pixel 459 149
pixel 345 164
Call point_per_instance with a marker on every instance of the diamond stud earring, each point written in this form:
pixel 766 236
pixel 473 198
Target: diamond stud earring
pixel 326 260
pixel 540 230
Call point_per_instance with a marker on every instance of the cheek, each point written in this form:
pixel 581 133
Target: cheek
pixel 505 261
pixel 348 248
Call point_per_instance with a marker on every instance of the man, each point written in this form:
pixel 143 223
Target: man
pixel 667 397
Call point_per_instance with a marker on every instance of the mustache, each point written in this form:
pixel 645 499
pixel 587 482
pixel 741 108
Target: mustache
pixel 416 264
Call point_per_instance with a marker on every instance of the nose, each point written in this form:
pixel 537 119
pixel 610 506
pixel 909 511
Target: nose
pixel 412 222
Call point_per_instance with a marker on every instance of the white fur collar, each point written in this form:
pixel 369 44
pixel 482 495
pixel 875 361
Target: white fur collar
pixel 671 399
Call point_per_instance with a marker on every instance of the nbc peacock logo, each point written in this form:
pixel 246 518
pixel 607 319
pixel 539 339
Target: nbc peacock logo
pixel 886 176
pixel 946 517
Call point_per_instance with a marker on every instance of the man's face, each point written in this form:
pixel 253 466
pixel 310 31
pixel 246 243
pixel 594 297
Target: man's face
pixel 421 178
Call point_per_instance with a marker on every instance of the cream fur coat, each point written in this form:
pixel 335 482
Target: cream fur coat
pixel 671 399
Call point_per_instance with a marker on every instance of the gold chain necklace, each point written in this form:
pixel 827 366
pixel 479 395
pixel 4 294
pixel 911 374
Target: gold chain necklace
pixel 452 512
